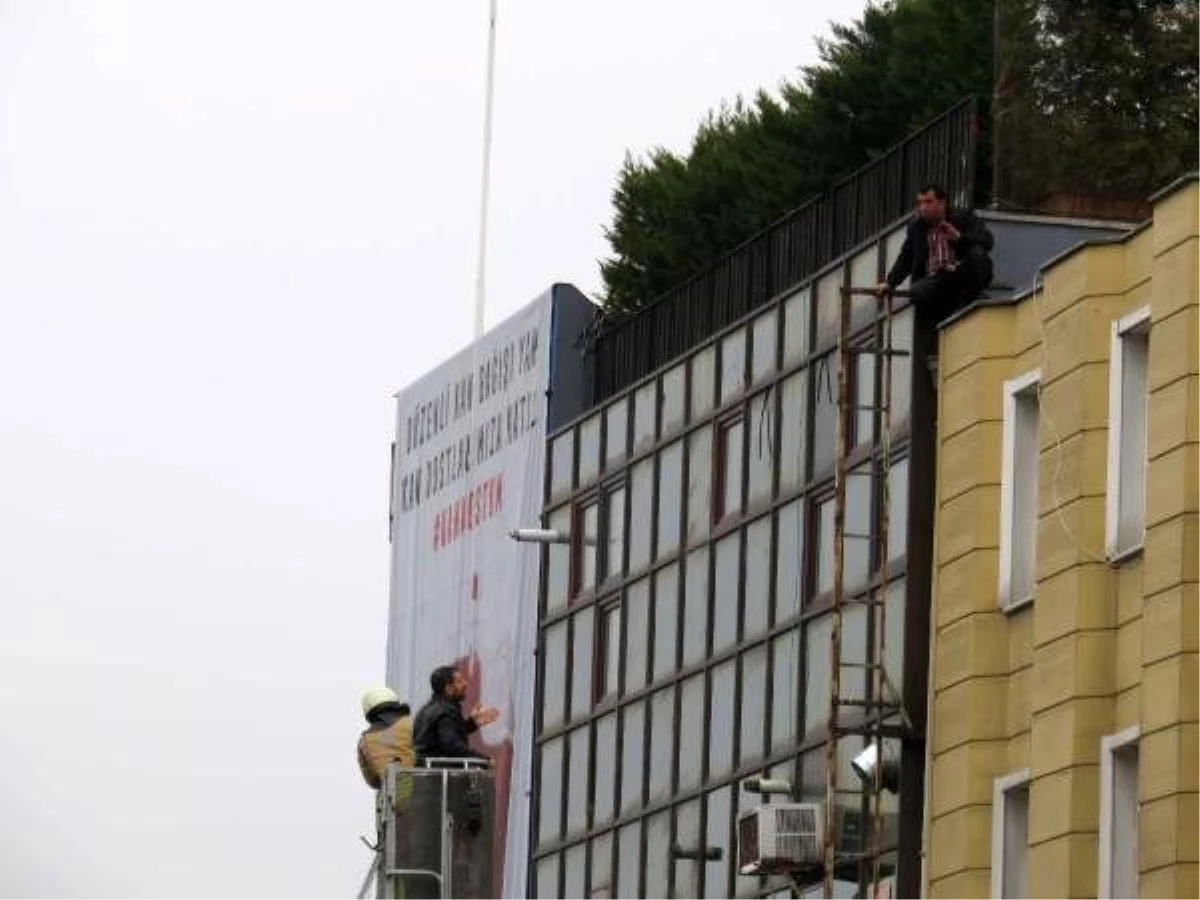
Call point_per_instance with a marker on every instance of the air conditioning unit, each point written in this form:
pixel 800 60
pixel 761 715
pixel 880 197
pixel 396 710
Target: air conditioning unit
pixel 778 838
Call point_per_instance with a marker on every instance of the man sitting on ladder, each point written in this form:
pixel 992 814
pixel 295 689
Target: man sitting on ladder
pixel 946 253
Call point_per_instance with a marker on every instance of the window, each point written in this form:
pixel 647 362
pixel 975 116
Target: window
pixel 587 526
pixel 637 632
pixel 554 676
pixel 629 851
pixel 1119 814
pixel 795 327
pixel 725 594
pixel 633 739
pixel 645 413
pixel 562 462
pixel 864 399
pixel 1125 519
pixel 550 807
pixel 1019 490
pixel 730 438
pixel 670 490
pixel 695 607
pixel 703 380
pixel 753 706
pixel 825 413
pixel 763 444
pixel 613 558
pixel 606 768
pixel 793 397
pixel 641 513
pixel 547 876
pixel 558 562
pixel 674 399
pixel 666 618
pixel 608 652
pixel 1010 835
pixel 662 743
pixel 764 333
pixel 789 557
pixel 573 868
pixel 601 877
pixel 700 476
pixel 691 732
pixel 722 719
pixel 785 666
pixel 616 424
pixel 733 364
pixel 757 579
pixel 589 450
pixel 577 781
pixel 583 643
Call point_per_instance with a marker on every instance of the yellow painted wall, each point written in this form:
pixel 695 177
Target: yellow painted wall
pixel 1103 646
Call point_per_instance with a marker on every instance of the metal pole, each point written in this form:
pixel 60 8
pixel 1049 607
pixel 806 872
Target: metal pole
pixel 485 185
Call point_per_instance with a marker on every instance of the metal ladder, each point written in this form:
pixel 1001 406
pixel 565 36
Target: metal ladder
pixel 877 712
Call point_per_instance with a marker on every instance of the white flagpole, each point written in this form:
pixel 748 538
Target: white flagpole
pixel 481 273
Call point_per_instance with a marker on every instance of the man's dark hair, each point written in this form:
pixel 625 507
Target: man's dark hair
pixel 933 188
pixel 441 677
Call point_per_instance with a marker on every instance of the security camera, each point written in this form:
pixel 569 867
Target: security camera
pixel 865 763
pixel 766 786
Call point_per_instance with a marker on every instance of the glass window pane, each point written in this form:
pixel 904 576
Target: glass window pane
pixel 606 756
pixel 824 554
pixel 558 562
pixel 633 721
pixel 629 851
pixel 673 399
pixel 662 743
pixel 583 645
pixel 864 396
pixel 785 666
pixel 616 423
pixel 721 720
pixel 666 619
pixel 610 651
pixel 745 885
pixel 828 301
pixel 589 450
pixel 637 632
pixel 589 521
pixel 658 854
pixel 574 867
pixel 695 608
pixel 691 732
pixel 864 268
pixel 732 438
pixel 898 509
pixel 792 417
pixel 858 527
pixel 733 364
pixel 641 512
pixel 601 877
pixel 825 376
pixel 555 676
pixel 816 673
pixel 577 782
pixel 788 560
pixel 766 331
pixel 795 327
pixel 758 578
pixel 550 804
pixel 670 498
pixel 547 876
pixel 562 463
pixel 725 601
pixel 615 549
pixel 645 409
pixel 717 834
pixel 762 445
pixel 902 339
pixel 687 836
pixel 854 651
pixel 703 380
pixel 753 709
pixel 700 476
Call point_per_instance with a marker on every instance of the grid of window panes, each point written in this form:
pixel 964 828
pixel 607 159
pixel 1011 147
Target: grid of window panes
pixel 685 628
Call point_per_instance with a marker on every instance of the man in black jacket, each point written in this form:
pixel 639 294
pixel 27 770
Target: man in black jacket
pixel 440 730
pixel 946 254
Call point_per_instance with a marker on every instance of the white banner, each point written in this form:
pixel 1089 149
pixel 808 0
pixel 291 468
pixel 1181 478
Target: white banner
pixel 468 469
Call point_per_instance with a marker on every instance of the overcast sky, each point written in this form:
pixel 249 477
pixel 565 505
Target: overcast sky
pixel 229 231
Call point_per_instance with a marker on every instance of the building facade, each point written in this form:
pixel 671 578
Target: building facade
pixel 685 628
pixel 1063 713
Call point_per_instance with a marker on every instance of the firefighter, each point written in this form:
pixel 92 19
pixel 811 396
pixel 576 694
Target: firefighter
pixel 389 737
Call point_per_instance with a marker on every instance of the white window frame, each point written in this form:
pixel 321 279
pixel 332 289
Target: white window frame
pixel 1013 389
pixel 1109 746
pixel 1137 321
pixel 1000 790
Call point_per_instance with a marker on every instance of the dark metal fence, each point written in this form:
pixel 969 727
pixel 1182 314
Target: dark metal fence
pixel 788 252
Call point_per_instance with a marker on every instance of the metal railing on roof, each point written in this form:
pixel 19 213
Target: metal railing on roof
pixel 788 252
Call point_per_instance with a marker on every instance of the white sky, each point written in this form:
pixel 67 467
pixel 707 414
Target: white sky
pixel 228 232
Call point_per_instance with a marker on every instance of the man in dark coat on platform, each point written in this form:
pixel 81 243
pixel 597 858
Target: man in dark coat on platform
pixel 946 254
pixel 440 730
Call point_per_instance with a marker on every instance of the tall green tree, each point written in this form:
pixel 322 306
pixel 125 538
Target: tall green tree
pixel 751 162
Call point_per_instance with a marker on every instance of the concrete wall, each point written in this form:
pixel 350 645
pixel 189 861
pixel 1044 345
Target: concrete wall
pixel 1103 646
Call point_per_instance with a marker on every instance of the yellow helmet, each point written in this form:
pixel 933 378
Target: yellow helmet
pixel 377 696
